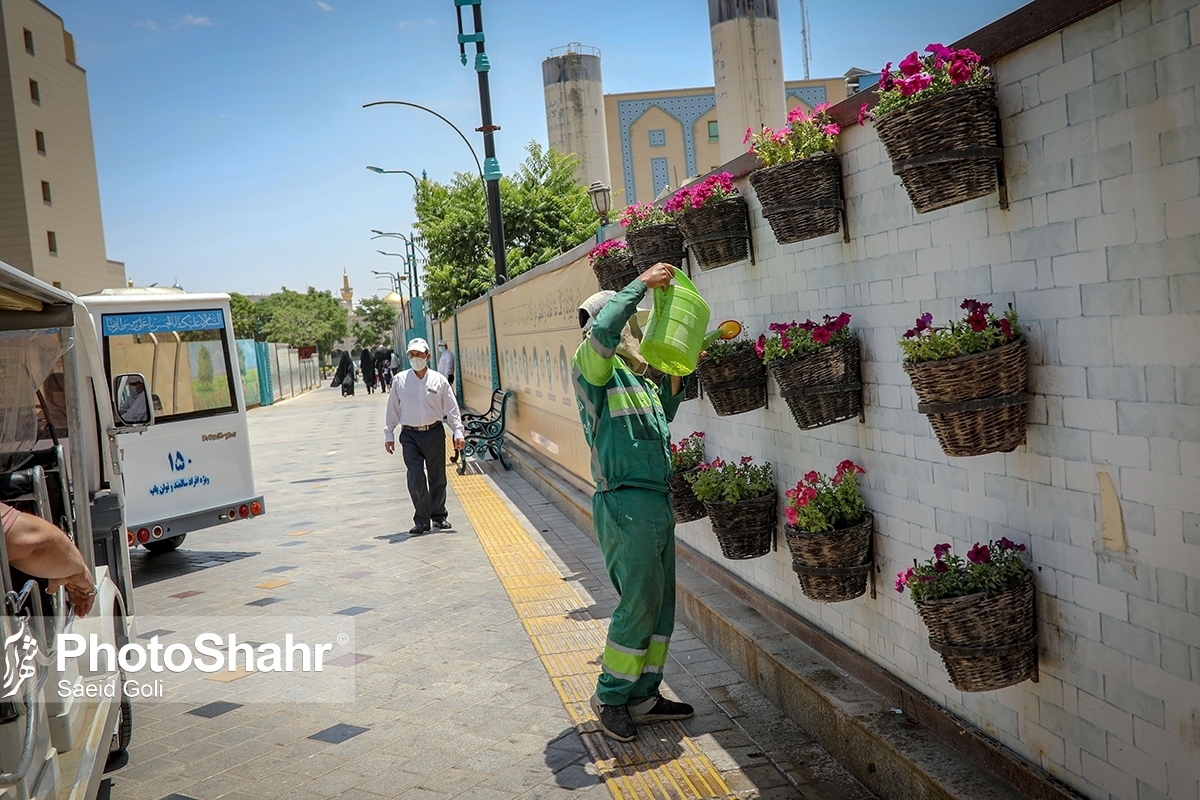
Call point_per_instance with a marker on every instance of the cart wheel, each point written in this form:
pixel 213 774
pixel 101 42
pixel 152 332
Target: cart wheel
pixel 165 545
pixel 123 733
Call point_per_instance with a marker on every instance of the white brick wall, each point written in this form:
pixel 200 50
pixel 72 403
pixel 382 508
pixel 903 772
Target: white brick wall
pixel 1099 252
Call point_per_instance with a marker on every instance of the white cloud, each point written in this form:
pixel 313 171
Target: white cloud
pixel 190 20
pixel 149 25
pixel 405 24
pixel 324 6
pixel 431 22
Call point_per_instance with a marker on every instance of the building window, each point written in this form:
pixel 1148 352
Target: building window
pixel 658 138
pixel 46 192
pixel 658 171
pixel 712 131
pixel 52 242
pixel 41 142
pixel 35 94
pixel 28 41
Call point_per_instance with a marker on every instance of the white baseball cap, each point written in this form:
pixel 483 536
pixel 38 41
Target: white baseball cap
pixel 418 344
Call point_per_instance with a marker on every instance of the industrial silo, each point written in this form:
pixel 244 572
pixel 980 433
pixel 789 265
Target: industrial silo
pixel 575 109
pixel 747 69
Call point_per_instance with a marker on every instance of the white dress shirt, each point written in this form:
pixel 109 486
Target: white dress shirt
pixel 446 363
pixel 421 401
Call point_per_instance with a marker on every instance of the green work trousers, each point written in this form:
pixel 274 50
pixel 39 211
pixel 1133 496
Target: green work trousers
pixel 636 529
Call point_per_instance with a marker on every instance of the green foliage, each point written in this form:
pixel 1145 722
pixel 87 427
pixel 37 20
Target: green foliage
pixel 376 322
pixel 990 568
pixel 722 348
pixel 977 331
pixel 246 318
pixel 545 213
pixel 688 452
pixel 727 482
pixel 792 338
pixel 823 503
pixel 314 318
pixel 802 137
pixel 204 368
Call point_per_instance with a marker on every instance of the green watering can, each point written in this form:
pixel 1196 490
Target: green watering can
pixel 675 334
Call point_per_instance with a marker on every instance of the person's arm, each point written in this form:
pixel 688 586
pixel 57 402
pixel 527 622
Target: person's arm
pixel 594 359
pixel 391 418
pixel 38 548
pixel 453 416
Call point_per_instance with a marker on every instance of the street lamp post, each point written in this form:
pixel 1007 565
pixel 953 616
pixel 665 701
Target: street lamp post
pixel 601 195
pixel 491 169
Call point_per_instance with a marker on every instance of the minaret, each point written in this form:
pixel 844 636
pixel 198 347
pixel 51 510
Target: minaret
pixel 347 292
pixel 575 109
pixel 747 69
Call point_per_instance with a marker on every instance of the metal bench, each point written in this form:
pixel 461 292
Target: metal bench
pixel 484 433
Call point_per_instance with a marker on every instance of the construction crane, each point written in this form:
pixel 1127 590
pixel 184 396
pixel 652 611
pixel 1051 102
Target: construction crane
pixel 805 50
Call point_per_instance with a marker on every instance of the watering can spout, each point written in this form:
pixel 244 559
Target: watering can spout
pixel 711 337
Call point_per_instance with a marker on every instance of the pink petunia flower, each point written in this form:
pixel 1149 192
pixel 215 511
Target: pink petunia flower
pixel 940 550
pixel 760 345
pixel 821 335
pixel 917 83
pixel 911 65
pixel 749 135
pixel 792 515
pixel 862 114
pixel 959 72
pixel 796 115
pixel 812 476
pixel 831 129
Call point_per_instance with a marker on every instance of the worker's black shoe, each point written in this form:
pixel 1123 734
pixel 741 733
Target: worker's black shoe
pixel 659 709
pixel 442 524
pixel 417 530
pixel 615 721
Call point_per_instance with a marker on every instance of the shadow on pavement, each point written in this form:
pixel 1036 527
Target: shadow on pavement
pixel 570 762
pixel 147 568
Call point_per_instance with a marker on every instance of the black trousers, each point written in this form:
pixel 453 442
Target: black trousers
pixel 425 459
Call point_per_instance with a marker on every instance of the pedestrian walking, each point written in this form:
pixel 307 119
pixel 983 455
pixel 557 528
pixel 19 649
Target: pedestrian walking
pixel 625 421
pixel 344 376
pixel 446 361
pixel 419 399
pixel 367 362
pixel 383 365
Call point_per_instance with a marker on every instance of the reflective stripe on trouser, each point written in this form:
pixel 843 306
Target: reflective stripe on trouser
pixel 636 530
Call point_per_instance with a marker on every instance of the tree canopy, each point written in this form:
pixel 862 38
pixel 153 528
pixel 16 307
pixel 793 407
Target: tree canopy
pixel 376 322
pixel 289 317
pixel 545 213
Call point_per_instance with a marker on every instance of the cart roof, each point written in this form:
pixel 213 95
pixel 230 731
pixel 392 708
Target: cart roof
pixel 26 302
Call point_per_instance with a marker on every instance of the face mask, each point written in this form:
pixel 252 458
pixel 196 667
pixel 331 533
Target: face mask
pixel 419 363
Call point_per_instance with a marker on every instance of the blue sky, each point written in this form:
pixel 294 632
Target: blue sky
pixel 231 144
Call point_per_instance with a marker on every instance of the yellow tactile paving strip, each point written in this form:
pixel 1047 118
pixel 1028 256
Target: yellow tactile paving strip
pixel 662 762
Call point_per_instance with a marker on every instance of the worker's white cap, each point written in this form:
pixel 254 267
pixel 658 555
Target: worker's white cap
pixel 589 308
pixel 441 342
pixel 419 345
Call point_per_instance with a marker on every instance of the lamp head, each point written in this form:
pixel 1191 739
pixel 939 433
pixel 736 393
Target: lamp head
pixel 376 169
pixel 601 195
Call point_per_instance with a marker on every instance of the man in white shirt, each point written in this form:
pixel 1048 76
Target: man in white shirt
pixel 446 361
pixel 419 399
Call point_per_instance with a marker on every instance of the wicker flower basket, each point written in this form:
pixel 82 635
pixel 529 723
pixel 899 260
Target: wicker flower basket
pixel 691 389
pixel 832 565
pixel 821 388
pixel 656 243
pixel 718 234
pixel 736 384
pixel 745 529
pixel 685 505
pixel 988 640
pixel 802 200
pixel 615 272
pixel 945 149
pixel 975 403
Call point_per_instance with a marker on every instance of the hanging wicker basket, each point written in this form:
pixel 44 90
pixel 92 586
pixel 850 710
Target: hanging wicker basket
pixel 821 388
pixel 656 243
pixel 736 384
pixel 945 149
pixel 615 272
pixel 745 529
pixel 691 389
pixel 988 640
pixel 975 403
pixel 832 565
pixel 717 234
pixel 802 199
pixel 685 505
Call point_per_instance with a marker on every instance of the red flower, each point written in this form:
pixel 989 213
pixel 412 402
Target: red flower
pixel 746 460
pixel 980 554
pixel 760 346
pixel 978 321
pixel 1006 329
pixel 821 335
pixel 812 476
pixel 940 550
pixel 849 466
pixel 941 566
pixel 911 65
pixel 959 72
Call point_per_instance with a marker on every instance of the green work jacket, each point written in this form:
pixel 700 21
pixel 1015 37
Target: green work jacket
pixel 624 416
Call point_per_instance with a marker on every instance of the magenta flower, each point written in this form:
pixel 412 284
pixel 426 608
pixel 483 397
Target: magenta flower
pixel 900 584
pixel 796 115
pixel 862 114
pixel 978 321
pixel 760 346
pixel 821 335
pixel 843 319
pixel 979 554
pixel 785 342
pixel 941 566
pixel 1006 329
pixel 746 460
pixel 911 65
pixel 748 136
pixel 831 129
pixel 940 550
pixel 959 72
pixel 917 83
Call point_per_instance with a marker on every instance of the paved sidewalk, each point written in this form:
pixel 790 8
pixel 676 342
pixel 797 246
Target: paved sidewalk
pixel 452 700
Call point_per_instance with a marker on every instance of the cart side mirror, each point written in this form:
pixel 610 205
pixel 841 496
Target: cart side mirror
pixel 131 400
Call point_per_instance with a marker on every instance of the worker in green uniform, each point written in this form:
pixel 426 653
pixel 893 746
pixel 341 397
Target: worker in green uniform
pixel 625 421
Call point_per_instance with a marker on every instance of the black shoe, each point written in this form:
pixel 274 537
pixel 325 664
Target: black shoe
pixel 614 721
pixel 659 709
pixel 442 524
pixel 417 530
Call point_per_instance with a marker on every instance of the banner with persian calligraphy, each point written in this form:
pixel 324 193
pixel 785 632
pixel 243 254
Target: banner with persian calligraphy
pixel 475 357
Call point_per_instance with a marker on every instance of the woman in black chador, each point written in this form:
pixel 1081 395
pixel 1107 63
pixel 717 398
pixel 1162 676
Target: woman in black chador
pixel 344 376
pixel 367 361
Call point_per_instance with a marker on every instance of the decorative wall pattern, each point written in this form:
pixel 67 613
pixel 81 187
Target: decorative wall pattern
pixel 685 109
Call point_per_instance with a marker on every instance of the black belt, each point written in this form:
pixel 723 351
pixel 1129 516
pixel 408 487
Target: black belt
pixel 430 426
